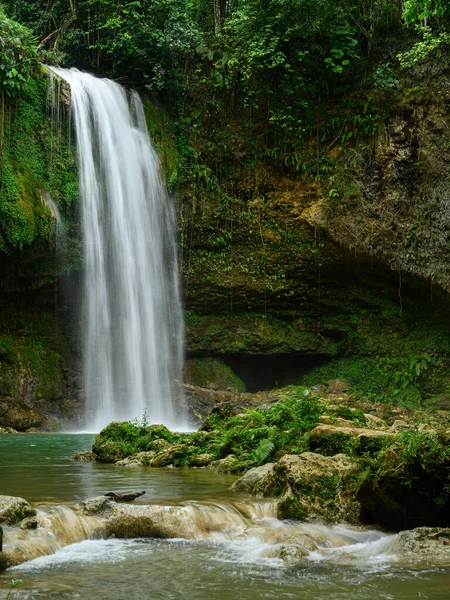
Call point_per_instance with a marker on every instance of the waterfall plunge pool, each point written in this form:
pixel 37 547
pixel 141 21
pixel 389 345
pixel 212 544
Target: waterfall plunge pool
pixel 236 561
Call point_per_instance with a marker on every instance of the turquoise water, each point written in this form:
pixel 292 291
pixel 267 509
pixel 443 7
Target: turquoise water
pixel 222 567
pixel 39 467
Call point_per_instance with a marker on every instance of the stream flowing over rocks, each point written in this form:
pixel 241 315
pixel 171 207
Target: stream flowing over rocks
pixel 58 526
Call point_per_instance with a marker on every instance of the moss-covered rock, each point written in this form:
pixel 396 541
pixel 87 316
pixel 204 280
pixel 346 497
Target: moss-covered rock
pixel 312 486
pixel 14 509
pixel 331 439
pixel 212 373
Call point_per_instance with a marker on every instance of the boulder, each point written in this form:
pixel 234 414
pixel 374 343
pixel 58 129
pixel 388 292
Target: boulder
pixel 426 545
pixel 95 506
pixel 167 457
pixel 312 486
pixel 337 421
pixel 141 459
pixel 110 452
pixel 159 445
pixel 247 482
pixel 84 456
pixel 202 460
pixel 14 509
pixel 229 464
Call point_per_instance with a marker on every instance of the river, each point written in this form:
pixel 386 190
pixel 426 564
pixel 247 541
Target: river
pixel 232 562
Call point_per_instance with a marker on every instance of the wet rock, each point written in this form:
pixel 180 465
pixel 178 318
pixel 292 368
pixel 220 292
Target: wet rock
pixel 29 523
pixel 229 464
pixel 166 457
pixel 312 486
pixel 289 553
pixel 95 506
pixel 14 509
pixel 141 459
pixel 6 430
pixel 247 482
pixel 84 456
pixel 424 545
pixel 202 460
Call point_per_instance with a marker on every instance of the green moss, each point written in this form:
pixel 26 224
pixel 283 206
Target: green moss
pixel 162 134
pixel 212 373
pixel 36 157
pixel 334 442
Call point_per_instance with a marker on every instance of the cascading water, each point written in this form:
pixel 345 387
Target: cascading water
pixel 133 334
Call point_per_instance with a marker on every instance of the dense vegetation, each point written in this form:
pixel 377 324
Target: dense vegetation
pixel 297 69
pixel 394 467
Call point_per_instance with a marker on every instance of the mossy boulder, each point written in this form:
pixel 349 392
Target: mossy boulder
pixel 141 459
pixel 14 509
pixel 311 486
pixel 331 439
pixel 229 464
pixel 111 452
pixel 168 456
pixel 247 482
pixel 202 460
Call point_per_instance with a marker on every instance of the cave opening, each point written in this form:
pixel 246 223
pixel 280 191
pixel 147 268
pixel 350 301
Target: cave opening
pixel 262 372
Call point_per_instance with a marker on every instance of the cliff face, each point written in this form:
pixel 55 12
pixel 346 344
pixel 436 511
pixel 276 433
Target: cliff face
pixel 285 280
pixel 348 279
pixel 39 382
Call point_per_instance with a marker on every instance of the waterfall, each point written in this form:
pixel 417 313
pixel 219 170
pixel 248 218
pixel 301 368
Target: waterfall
pixel 131 309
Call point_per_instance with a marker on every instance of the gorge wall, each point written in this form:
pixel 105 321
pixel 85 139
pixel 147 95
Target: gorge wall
pixel 286 278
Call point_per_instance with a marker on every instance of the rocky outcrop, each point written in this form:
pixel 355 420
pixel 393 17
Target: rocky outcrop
pixel 309 486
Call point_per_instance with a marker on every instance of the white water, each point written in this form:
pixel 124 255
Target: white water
pixel 131 310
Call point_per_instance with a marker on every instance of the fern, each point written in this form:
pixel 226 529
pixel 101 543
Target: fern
pixel 263 451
